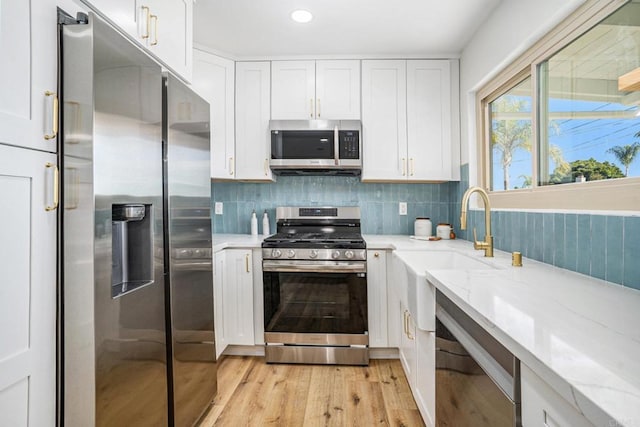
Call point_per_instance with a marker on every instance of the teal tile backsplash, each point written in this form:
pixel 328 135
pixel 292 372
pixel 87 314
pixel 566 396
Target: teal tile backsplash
pixel 603 246
pixel 378 202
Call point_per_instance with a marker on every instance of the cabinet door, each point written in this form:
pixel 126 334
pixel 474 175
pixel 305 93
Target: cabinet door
pixel 219 278
pixel 258 302
pixel 171 34
pixel 429 119
pixel 377 298
pixel 237 297
pixel 124 14
pixel 213 79
pixel 28 77
pixel 338 90
pixel 28 291
pixel 544 407
pixel 407 348
pixel 253 146
pixel 384 120
pixel 425 389
pixel 293 86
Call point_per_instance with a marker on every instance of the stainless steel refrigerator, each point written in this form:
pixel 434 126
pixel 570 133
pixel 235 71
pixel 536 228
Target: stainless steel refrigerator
pixel 137 336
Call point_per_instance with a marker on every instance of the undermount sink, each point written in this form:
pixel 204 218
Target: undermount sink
pixel 420 295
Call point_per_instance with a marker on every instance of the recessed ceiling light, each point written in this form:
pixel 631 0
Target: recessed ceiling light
pixel 301 16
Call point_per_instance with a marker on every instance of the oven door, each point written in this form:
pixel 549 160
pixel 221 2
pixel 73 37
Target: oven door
pixel 315 314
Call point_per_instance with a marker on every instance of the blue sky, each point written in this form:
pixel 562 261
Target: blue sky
pixel 580 138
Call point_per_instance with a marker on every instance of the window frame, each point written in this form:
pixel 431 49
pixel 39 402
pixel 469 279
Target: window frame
pixel 609 195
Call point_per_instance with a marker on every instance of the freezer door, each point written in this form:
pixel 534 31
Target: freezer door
pixel 188 187
pixel 115 352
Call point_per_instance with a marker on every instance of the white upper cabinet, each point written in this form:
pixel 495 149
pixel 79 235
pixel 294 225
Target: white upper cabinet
pixel 409 120
pixel 163 27
pixel 429 120
pixel 28 76
pixel 293 84
pixel 384 117
pixel 304 90
pixel 252 121
pixel 213 79
pixel 338 90
pixel 171 38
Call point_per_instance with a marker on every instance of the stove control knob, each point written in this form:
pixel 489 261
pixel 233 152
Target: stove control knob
pixel 291 253
pixel 335 254
pixel 276 253
pixel 349 254
pixel 313 254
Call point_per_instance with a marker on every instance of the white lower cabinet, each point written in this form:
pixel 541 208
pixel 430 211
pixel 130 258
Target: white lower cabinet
pixel 377 298
pixel 233 291
pixel 544 407
pixel 28 222
pixel 416 347
pixel 425 385
pixel 258 299
pixel 408 348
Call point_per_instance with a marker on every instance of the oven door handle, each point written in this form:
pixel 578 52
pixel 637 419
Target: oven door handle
pixel 316 267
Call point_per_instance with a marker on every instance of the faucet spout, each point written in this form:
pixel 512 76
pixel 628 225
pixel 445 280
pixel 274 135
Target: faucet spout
pixel 487 245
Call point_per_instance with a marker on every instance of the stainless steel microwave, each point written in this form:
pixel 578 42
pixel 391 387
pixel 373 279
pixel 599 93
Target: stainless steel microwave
pixel 316 147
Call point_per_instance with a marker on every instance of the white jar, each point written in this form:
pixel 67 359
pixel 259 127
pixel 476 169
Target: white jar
pixel 443 231
pixel 422 227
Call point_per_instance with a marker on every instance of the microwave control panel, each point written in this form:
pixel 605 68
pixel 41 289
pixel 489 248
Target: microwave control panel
pixel 349 144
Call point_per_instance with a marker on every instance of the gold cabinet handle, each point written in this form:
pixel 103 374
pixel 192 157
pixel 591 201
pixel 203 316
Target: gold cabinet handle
pixel 147 13
pixel 411 168
pixel 155 30
pixel 266 167
pixel 54 116
pixel 231 166
pixel 404 167
pixel 377 255
pixel 318 112
pixel 404 322
pixel 311 107
pixel 56 191
pixel 246 262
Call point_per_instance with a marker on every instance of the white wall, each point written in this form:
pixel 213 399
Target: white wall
pixel 512 27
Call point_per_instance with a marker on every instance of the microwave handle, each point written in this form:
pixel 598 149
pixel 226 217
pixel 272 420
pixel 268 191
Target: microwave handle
pixel 336 145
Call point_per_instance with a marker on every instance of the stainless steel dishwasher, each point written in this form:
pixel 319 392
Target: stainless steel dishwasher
pixel 477 378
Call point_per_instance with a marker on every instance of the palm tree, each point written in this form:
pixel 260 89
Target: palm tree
pixel 626 154
pixel 509 135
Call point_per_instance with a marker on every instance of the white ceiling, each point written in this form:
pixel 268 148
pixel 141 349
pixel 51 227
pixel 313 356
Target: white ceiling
pixel 247 29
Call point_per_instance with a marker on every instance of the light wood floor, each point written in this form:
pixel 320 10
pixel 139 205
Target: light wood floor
pixel 252 393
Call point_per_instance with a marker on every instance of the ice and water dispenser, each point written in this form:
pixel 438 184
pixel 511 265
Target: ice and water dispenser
pixel 132 248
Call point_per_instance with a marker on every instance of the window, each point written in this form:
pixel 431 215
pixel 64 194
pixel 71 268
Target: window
pixel 588 127
pixel 557 119
pixel 510 137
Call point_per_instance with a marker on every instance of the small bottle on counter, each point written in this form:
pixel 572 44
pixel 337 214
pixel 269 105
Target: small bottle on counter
pixel 254 224
pixel 265 223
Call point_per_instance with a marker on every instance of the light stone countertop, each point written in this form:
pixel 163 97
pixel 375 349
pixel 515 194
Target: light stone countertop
pixel 581 335
pixel 236 241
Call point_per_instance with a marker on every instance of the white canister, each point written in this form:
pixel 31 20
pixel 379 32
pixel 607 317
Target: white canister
pixel 443 231
pixel 422 227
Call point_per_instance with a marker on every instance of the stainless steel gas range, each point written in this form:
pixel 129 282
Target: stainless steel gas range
pixel 315 287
